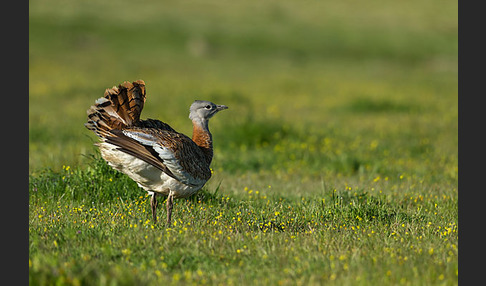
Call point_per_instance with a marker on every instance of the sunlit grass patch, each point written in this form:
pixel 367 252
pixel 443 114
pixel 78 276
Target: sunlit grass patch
pixel 335 232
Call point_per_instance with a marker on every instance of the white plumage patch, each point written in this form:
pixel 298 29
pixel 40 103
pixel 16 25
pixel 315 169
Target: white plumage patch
pixel 143 138
pixel 147 176
pixel 168 157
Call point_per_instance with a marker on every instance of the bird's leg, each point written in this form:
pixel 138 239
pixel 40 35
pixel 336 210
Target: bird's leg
pixel 153 204
pixel 170 201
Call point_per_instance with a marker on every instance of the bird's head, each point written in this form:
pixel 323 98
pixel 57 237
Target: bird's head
pixel 201 111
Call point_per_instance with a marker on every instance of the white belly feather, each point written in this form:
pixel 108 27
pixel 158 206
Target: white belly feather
pixel 147 176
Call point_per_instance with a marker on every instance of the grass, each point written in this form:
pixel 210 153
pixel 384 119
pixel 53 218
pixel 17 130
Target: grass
pixel 90 227
pixel 335 164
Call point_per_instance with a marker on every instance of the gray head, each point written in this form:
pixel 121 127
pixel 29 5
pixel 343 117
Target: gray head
pixel 202 110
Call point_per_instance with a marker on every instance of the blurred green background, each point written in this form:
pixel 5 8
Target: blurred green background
pixel 315 88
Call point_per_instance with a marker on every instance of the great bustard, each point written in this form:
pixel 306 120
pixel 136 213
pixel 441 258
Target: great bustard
pixel 161 160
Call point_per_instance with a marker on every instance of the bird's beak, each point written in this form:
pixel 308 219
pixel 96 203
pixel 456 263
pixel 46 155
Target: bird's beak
pixel 221 107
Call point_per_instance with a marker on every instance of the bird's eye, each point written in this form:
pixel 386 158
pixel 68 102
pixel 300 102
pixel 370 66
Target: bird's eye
pixel 208 106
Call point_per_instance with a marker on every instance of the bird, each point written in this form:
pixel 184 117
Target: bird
pixel 159 159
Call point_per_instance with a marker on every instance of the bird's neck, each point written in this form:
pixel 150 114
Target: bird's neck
pixel 203 138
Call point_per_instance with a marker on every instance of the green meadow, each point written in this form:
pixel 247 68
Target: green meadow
pixel 336 162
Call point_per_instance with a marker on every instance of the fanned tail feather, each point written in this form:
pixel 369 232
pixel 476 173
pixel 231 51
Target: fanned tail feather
pixel 120 108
